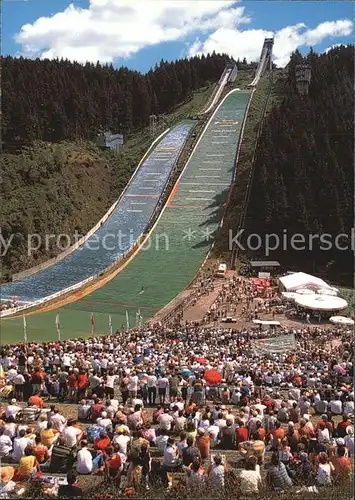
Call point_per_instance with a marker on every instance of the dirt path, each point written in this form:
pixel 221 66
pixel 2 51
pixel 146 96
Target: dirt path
pixel 197 311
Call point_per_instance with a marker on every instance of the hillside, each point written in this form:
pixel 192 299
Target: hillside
pixel 53 180
pixel 54 188
pixel 303 179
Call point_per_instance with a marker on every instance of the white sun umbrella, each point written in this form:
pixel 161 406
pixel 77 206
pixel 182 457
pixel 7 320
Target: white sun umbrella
pixel 305 291
pixel 341 320
pixel 321 302
pixel 327 291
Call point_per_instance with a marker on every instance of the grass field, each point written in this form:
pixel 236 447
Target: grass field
pixel 178 244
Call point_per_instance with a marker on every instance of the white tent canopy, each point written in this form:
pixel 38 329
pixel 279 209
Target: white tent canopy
pixel 289 295
pixel 305 291
pixel 327 291
pixel 341 320
pixel 321 302
pixel 294 281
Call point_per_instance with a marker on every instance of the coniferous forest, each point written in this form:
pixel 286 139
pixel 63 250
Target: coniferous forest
pixel 52 100
pixel 304 167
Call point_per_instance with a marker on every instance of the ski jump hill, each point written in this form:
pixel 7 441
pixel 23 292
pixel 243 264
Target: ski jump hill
pixel 164 246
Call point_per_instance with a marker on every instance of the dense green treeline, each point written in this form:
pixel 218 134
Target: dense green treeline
pixel 304 167
pixel 52 100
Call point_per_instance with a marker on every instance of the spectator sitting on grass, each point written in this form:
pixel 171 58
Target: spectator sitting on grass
pixel 250 478
pixel 28 465
pixel 278 478
pixel 62 458
pixel 86 463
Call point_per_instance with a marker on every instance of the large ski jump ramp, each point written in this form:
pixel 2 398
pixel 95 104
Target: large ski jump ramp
pixel 176 248
pixel 122 229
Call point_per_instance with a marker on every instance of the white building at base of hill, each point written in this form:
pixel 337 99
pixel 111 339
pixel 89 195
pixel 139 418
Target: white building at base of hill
pixel 295 281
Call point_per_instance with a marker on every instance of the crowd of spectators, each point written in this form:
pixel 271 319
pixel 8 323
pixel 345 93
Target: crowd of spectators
pixel 245 297
pixel 145 415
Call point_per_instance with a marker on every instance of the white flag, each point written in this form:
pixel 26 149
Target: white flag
pixel 140 317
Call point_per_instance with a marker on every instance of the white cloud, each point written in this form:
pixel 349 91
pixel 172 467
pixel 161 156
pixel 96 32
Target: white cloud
pixel 110 29
pixel 247 43
pixel 237 43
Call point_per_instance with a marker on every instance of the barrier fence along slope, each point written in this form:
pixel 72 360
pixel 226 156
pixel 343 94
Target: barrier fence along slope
pixel 170 315
pixel 187 300
pixel 252 169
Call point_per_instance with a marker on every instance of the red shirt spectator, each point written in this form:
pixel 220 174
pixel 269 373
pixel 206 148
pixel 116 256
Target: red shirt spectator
pixel 278 434
pixel 40 452
pixel 261 433
pixel 82 380
pixel 268 402
pixel 36 401
pixel 96 410
pixel 343 466
pixel 341 427
pixel 72 381
pixel 102 443
pixel 241 434
pixel 113 464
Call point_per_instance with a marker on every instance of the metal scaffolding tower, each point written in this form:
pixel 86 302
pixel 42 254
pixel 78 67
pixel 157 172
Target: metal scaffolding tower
pixel 303 78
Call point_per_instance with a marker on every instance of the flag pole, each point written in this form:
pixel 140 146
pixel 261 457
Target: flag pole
pixel 24 329
pixel 92 324
pixel 57 324
pixel 127 320
pixel 110 324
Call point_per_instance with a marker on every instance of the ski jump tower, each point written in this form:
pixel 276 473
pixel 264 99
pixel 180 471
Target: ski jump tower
pixel 265 61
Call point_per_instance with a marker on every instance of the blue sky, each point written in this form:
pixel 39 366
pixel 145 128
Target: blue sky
pixel 140 33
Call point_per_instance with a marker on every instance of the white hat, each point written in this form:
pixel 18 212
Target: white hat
pixel 340 441
pixel 13 401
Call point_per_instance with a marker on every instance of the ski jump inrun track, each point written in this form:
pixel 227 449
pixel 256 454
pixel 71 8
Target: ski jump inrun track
pixel 166 259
